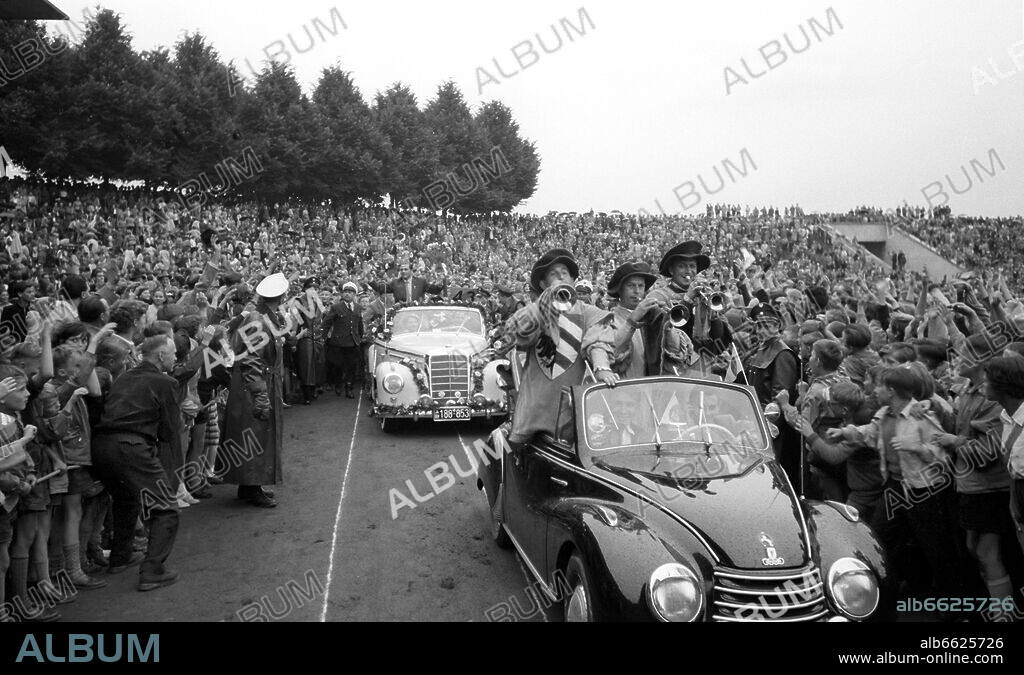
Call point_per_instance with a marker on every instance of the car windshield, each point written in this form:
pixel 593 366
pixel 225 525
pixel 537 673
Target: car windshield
pixel 437 320
pixel 654 425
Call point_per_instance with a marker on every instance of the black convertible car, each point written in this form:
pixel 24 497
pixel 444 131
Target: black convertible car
pixel 661 499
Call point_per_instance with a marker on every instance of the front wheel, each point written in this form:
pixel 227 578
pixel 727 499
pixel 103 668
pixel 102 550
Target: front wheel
pixel 580 605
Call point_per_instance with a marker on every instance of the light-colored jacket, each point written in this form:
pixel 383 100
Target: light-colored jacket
pixel 921 464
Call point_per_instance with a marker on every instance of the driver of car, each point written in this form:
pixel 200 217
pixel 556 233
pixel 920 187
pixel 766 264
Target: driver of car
pixel 406 323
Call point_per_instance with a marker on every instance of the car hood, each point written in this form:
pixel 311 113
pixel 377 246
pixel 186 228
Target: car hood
pixel 433 344
pixel 735 516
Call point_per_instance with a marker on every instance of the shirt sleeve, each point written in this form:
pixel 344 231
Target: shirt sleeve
pixel 599 339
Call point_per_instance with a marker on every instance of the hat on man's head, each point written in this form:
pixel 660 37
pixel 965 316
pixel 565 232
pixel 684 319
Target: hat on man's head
pixel 630 269
pixel 273 286
pixel 584 286
pixel 765 312
pixel 688 250
pixel 553 257
pixel 310 282
pixel 504 290
pixel 349 286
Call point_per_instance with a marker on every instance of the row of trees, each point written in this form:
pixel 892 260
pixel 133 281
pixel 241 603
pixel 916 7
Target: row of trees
pixel 99 109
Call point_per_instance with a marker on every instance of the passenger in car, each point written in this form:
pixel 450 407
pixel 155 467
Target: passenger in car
pixel 633 317
pixel 558 345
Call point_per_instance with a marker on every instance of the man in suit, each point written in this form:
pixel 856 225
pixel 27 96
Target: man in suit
pixel 344 336
pixel 407 288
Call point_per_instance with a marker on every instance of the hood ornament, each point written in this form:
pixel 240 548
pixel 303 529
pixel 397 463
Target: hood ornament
pixel 771 558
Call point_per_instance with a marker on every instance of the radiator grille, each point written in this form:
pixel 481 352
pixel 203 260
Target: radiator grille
pixel 449 375
pixel 742 595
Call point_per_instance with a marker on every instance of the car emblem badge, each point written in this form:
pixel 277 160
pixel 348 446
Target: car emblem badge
pixel 771 558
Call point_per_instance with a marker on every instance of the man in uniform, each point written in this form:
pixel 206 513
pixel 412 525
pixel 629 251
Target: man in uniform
pixel 507 305
pixel 773 371
pixel 585 291
pixel 343 328
pixel 255 397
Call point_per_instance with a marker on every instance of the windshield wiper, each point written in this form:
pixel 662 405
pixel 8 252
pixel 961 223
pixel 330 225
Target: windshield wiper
pixel 702 422
pixel 657 435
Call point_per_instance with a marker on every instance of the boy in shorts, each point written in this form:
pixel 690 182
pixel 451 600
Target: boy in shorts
pixel 64 394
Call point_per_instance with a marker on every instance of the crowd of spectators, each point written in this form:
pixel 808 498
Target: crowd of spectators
pixel 90 271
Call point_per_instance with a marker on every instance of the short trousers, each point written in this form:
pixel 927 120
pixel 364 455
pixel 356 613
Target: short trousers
pixel 985 512
pixel 81 482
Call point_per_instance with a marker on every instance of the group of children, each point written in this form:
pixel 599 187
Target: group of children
pixel 53 508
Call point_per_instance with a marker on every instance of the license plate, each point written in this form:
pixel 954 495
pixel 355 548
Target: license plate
pixel 451 414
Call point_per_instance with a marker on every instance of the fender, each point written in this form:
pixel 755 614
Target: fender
pixel 620 551
pixel 834 536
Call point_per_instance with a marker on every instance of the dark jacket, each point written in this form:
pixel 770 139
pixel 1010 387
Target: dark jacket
pixel 420 287
pixel 344 327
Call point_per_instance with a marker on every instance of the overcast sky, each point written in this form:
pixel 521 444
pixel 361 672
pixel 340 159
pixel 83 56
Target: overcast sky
pixel 638 105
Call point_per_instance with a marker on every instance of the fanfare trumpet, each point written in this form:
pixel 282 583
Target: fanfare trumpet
pixel 563 297
pixel 678 315
pixel 714 300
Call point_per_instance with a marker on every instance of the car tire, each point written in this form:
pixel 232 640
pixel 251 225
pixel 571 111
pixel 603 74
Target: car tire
pixel 580 605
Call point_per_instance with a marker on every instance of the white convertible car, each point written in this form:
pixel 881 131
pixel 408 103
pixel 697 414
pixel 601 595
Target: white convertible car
pixel 433 361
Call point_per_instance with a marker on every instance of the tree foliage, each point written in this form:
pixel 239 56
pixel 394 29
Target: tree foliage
pixel 98 108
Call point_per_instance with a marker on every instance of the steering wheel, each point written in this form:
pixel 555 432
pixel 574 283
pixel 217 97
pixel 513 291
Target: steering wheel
pixel 731 437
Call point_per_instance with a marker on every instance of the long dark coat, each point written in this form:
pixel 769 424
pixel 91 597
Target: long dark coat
pixel 256 385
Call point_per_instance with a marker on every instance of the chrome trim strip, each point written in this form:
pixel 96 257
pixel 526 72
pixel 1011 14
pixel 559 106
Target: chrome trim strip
pixel 682 521
pixel 800 509
pixel 802 590
pixel 529 565
pixel 786 605
pixel 771 576
pixel 803 619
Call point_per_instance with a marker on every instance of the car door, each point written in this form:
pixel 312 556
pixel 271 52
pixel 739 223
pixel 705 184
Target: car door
pixel 537 478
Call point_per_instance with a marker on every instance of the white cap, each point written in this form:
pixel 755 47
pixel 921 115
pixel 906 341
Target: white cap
pixel 350 286
pixel 273 286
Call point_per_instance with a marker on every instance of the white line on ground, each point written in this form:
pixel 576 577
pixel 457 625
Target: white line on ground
pixel 337 516
pixel 469 453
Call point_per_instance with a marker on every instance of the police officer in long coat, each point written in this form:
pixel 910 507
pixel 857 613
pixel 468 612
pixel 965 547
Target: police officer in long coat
pixel 772 367
pixel 254 422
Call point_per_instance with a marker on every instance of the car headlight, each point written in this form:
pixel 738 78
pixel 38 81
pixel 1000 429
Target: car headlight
pixel 853 588
pixel 676 593
pixel 393 383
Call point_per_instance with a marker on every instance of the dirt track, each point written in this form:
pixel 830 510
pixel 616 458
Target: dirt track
pixel 333 530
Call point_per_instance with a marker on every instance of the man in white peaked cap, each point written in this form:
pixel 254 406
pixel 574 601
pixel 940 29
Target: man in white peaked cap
pixel 255 398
